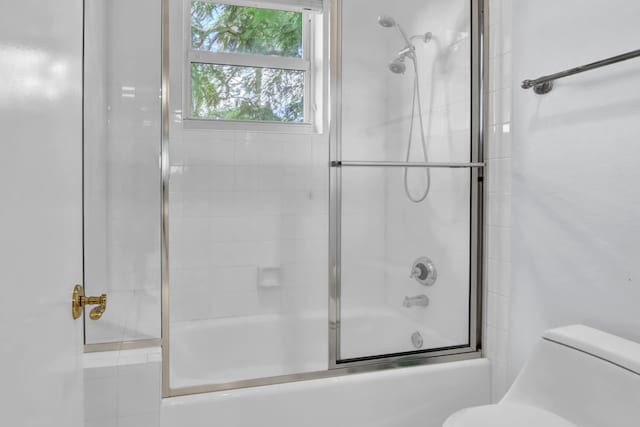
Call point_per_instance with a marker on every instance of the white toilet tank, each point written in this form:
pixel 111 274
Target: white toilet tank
pixel 576 377
pixel 588 377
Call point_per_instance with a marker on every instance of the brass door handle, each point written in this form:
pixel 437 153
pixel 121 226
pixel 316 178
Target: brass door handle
pixel 78 301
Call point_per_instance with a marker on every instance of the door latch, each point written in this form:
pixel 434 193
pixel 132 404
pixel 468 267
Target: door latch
pixel 79 301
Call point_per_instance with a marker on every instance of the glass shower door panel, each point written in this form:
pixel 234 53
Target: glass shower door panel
pixel 383 310
pixel 122 182
pixel 248 256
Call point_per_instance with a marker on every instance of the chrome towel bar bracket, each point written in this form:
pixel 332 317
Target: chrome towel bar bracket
pixel 544 84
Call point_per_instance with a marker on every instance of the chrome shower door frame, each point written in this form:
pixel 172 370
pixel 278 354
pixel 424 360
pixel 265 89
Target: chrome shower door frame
pixel 476 166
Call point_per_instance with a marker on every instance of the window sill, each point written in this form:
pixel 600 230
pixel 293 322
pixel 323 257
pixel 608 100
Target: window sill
pixel 250 126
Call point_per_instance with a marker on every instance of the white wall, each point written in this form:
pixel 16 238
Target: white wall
pixel 576 198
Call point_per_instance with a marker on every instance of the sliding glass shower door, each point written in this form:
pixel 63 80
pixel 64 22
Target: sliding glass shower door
pixel 345 245
pixel 406 180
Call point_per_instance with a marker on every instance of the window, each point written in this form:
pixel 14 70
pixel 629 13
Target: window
pixel 248 63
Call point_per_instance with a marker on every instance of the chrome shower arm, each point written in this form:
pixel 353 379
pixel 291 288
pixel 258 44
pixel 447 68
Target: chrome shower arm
pixel 404 35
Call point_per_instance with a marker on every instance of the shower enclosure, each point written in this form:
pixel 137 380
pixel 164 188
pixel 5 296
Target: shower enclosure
pixel 379 233
pixel 295 254
pixel 334 230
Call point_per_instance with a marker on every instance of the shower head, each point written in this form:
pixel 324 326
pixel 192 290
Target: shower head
pixel 386 21
pixel 397 66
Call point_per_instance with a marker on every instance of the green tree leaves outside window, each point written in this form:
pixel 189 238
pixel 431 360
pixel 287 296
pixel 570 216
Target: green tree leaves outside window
pixel 225 92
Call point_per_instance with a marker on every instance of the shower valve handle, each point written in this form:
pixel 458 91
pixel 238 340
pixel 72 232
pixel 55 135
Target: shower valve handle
pixel 424 271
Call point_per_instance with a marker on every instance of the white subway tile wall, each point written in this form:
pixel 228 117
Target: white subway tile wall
pixel 498 197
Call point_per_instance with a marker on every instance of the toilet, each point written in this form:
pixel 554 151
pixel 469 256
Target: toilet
pixel 576 377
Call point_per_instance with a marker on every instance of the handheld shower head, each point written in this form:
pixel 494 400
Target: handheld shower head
pixel 386 21
pixel 397 66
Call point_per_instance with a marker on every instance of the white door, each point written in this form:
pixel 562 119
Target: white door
pixel 40 212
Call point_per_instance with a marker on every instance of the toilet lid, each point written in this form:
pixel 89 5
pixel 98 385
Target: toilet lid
pixel 505 415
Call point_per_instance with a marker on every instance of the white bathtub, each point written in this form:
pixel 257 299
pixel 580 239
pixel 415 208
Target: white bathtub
pixel 422 396
pixel 216 351
pixel 124 387
pixel 231 349
pixel 224 350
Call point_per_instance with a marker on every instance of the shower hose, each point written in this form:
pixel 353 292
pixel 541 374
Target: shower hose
pixel 417 99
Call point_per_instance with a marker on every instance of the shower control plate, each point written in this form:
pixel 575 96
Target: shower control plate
pixel 424 271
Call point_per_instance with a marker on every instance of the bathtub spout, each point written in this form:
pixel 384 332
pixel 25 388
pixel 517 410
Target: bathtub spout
pixel 418 300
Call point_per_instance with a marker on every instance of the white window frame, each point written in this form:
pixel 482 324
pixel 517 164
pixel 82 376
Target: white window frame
pixel 305 64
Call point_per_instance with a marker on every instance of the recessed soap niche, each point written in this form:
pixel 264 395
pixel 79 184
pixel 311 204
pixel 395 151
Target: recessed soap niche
pixel 269 277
